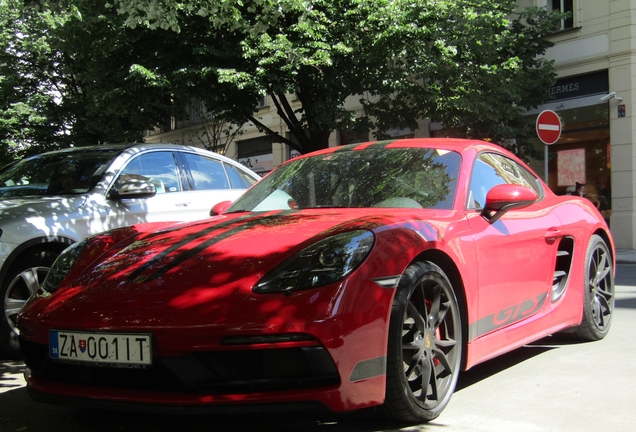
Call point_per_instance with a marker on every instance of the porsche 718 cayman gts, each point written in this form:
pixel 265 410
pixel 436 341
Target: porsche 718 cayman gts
pixel 357 276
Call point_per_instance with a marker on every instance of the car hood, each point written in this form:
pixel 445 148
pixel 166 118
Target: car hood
pixel 35 206
pixel 216 252
pixel 188 273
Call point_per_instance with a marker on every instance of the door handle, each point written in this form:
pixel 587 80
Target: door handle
pixel 553 233
pixel 183 204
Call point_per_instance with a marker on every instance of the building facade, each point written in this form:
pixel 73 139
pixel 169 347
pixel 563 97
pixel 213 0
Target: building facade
pixel 596 67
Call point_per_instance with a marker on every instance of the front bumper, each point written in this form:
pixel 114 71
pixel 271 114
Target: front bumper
pixel 39 393
pixel 339 363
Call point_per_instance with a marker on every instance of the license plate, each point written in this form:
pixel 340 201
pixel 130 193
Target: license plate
pixel 117 349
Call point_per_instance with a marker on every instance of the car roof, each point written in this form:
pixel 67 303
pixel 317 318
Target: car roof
pixel 141 147
pixel 138 146
pixel 459 145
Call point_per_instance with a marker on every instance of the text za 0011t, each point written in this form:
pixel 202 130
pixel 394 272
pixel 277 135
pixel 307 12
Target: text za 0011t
pixel 104 348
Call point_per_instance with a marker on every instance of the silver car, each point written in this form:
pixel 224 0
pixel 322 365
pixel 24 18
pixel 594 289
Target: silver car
pixel 52 200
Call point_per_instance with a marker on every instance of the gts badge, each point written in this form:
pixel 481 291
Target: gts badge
pixel 506 316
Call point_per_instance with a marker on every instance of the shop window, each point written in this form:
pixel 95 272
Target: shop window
pixel 581 156
pixel 565 6
pixel 256 154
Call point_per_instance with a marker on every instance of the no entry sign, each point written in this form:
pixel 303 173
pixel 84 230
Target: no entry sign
pixel 548 127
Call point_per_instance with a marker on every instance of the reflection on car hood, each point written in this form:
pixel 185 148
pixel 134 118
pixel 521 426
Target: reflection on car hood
pixel 25 207
pixel 195 268
pixel 217 251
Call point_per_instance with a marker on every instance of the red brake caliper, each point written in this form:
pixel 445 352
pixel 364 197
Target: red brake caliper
pixel 437 332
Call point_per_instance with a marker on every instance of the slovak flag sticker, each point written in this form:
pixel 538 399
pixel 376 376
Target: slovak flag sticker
pixel 82 345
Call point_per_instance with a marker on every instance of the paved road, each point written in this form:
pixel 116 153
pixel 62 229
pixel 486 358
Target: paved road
pixel 552 385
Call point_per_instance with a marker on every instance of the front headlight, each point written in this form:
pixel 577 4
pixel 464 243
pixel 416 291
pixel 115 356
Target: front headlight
pixel 322 263
pixel 62 266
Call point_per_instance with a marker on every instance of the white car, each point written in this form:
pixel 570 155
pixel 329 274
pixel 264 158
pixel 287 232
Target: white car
pixel 52 200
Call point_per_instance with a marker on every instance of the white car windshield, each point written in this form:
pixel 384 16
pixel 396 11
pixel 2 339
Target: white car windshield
pixel 59 173
pixel 382 177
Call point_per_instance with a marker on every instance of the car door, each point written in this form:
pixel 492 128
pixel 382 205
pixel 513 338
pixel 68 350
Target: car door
pixel 208 182
pixel 516 254
pixel 170 203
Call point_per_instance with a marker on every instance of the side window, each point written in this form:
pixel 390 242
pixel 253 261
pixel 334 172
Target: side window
pixel 207 173
pixel 531 181
pixel 491 170
pixel 238 179
pixel 159 167
pixel 484 178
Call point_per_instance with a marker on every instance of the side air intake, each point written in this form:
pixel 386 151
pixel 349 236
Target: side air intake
pixel 563 268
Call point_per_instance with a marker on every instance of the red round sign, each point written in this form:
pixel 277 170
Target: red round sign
pixel 548 127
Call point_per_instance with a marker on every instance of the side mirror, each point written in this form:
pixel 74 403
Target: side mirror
pixel 220 208
pixel 505 197
pixel 134 188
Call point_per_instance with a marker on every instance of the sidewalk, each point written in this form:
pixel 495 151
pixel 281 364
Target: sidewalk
pixel 626 256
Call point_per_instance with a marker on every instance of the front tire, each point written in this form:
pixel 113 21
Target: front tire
pixel 23 280
pixel 598 295
pixel 424 346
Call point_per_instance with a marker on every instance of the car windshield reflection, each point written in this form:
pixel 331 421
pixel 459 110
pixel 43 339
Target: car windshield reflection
pixel 55 173
pixel 383 177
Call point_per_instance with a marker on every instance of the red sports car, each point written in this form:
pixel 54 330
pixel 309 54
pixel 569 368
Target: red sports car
pixel 357 276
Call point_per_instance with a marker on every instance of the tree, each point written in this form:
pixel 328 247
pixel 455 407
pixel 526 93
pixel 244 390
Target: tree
pixel 75 77
pixel 210 129
pixel 465 63
pixel 27 95
pixel 472 65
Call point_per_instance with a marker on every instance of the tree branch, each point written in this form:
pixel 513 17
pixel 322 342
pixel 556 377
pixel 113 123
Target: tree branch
pixel 289 117
pixel 273 134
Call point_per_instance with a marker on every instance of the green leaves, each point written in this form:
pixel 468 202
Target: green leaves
pixel 76 75
pixel 473 65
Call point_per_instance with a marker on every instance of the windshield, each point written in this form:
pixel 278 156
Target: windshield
pixel 63 173
pixel 381 177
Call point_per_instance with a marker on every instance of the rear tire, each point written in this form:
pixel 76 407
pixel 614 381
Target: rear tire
pixel 23 280
pixel 424 347
pixel 598 295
